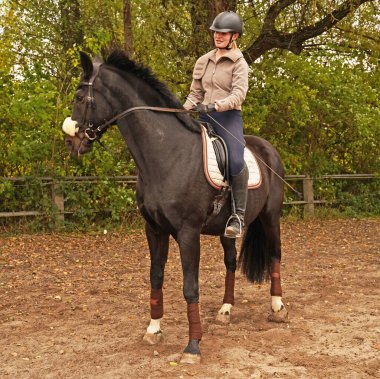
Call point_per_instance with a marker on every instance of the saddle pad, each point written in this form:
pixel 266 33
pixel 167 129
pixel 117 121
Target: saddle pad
pixel 211 169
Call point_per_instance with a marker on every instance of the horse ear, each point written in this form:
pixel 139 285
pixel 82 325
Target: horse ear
pixel 87 65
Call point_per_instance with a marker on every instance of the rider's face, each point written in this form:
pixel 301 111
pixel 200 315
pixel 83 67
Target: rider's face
pixel 221 39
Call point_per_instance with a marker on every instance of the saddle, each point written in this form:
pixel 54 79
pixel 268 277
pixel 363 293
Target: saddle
pixel 215 161
pixel 220 150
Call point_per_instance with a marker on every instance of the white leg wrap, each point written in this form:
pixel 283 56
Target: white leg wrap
pixel 226 309
pixel 154 326
pixel 277 304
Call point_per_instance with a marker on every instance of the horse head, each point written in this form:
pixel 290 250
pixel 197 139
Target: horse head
pixel 90 108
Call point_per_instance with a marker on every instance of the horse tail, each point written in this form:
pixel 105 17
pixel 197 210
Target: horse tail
pixel 254 259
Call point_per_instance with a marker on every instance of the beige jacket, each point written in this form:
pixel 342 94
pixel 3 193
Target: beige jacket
pixel 224 82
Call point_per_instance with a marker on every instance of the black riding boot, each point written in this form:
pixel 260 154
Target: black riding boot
pixel 235 223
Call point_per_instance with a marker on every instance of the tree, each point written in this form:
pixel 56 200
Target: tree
pixel 281 24
pixel 305 19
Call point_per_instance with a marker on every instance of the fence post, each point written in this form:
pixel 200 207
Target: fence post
pixel 58 201
pixel 308 196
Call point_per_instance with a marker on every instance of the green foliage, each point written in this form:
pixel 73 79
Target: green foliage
pixel 26 117
pixel 320 109
pixel 90 203
pixel 105 203
pixel 322 118
pixel 351 197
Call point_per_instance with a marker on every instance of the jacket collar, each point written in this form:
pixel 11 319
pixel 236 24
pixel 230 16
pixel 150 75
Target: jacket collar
pixel 233 55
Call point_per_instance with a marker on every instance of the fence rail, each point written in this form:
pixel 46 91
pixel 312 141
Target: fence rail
pixel 57 196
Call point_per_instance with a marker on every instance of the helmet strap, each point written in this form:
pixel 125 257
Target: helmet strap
pixel 228 47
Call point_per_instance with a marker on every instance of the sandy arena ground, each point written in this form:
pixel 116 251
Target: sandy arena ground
pixel 77 306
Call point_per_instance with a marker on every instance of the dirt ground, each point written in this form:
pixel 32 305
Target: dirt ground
pixel 77 306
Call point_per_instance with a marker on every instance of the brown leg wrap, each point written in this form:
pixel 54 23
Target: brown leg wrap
pixel 275 278
pixel 229 288
pixel 195 328
pixel 156 304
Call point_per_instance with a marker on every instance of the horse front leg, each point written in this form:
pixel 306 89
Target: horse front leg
pixel 224 314
pixel 189 245
pixel 158 246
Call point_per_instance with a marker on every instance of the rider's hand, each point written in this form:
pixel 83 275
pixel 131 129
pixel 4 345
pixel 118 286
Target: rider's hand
pixel 203 108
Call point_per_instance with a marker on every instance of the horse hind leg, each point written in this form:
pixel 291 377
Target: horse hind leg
pixel 158 246
pixel 224 313
pixel 260 259
pixel 271 227
pixel 279 312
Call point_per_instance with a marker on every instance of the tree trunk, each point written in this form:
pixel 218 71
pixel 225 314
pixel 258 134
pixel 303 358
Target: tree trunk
pixel 71 30
pixel 127 23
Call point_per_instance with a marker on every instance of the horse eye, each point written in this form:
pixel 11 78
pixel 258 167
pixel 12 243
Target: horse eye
pixel 78 98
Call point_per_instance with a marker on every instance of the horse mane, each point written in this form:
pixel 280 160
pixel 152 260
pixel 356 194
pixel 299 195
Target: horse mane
pixel 120 60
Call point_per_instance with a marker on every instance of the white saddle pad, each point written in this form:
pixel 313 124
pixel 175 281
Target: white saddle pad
pixel 211 169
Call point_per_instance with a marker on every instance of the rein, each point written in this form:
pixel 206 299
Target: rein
pixel 93 134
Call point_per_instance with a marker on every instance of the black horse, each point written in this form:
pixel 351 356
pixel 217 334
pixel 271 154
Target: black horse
pixel 172 192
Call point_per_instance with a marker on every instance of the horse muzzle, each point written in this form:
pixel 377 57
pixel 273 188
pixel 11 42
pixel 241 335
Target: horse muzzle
pixel 75 141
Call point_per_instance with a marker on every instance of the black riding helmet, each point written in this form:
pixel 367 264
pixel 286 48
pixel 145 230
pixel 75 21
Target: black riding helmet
pixel 227 22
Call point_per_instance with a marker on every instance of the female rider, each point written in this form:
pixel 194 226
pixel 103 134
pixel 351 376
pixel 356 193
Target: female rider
pixel 219 87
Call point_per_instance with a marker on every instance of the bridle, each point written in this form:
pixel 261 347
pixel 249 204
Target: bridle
pixel 93 133
pixel 90 101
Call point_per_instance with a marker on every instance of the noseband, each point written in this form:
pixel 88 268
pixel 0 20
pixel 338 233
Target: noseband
pixel 94 133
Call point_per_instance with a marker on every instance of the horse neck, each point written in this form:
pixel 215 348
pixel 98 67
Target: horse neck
pixel 157 141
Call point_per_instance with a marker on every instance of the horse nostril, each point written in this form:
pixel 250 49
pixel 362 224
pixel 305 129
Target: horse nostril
pixel 87 143
pixel 68 143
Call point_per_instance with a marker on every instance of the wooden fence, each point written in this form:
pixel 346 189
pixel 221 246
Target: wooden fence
pixel 308 201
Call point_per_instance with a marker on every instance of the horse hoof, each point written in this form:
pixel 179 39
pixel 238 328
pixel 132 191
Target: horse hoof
pixel 153 339
pixel 223 318
pixel 224 314
pixel 192 359
pixel 280 316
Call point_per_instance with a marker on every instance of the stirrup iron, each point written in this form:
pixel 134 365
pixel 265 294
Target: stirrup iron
pixel 231 233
